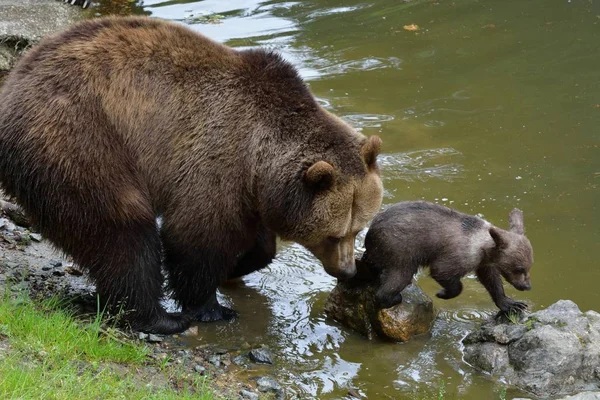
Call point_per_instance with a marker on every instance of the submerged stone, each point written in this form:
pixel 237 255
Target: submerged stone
pixel 352 304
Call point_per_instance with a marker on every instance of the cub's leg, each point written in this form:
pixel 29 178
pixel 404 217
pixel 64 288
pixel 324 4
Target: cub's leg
pixel 490 278
pixel 258 256
pixel 195 268
pixel 394 271
pixel 447 274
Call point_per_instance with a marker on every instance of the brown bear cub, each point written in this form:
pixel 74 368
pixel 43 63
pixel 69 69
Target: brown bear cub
pixel 117 121
pixel 411 234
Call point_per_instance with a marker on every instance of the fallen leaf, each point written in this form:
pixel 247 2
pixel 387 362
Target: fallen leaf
pixel 489 26
pixel 411 27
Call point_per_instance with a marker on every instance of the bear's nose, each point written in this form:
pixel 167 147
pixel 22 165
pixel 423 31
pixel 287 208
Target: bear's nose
pixel 346 272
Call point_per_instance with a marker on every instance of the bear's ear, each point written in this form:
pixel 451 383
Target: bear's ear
pixel 370 150
pixel 498 237
pixel 320 175
pixel 515 221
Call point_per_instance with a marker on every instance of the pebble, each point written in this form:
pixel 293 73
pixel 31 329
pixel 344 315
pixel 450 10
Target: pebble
pixel 268 384
pixel 246 394
pixel 36 237
pixel 58 273
pixel 142 336
pixel 239 360
pixel 199 369
pixel 215 360
pixel 261 356
pixel 191 331
pixel 152 338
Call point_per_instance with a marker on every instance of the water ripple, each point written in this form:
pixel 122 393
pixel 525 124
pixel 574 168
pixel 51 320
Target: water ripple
pixel 421 165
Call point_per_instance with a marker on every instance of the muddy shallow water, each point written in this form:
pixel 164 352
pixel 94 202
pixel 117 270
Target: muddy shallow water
pixel 487 106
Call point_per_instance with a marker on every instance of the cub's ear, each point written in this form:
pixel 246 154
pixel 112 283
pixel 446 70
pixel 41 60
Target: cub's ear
pixel 498 237
pixel 370 150
pixel 320 175
pixel 515 221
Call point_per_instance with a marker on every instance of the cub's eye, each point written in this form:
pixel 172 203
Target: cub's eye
pixel 520 270
pixel 333 239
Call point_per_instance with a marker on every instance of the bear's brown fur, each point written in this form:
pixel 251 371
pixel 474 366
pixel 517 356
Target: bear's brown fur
pixel 116 121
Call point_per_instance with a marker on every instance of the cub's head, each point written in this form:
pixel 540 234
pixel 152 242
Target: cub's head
pixel 329 200
pixel 513 254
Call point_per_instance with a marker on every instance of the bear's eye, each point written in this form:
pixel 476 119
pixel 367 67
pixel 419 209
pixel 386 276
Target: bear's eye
pixel 520 270
pixel 333 239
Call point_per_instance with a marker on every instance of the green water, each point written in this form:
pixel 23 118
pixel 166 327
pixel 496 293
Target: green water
pixel 488 106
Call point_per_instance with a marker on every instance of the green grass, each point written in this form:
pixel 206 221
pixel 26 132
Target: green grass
pixel 45 353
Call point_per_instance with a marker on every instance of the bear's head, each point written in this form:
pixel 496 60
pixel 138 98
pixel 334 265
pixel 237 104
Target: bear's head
pixel 513 254
pixel 327 191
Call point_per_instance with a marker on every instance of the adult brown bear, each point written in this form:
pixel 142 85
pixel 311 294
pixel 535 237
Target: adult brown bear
pixel 116 121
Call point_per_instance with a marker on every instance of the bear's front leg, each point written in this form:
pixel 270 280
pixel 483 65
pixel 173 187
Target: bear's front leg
pixel 209 311
pixel 490 278
pixel 258 257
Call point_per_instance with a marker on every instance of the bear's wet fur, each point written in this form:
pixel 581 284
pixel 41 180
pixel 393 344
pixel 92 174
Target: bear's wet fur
pixel 116 121
pixel 414 234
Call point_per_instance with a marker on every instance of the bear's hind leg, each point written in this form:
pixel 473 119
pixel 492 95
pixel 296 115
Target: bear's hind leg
pixel 125 266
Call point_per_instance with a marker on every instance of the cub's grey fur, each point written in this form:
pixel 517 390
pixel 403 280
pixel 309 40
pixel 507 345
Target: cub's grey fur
pixel 417 233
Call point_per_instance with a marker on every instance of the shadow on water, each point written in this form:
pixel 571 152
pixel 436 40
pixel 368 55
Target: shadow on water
pixel 487 106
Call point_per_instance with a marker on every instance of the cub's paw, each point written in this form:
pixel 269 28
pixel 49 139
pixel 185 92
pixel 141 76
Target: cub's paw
pixel 510 305
pixel 445 294
pixel 384 301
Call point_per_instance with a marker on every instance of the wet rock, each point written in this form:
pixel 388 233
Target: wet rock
pixel 583 396
pixel 24 22
pixel 191 331
pixel 152 338
pixel 240 360
pixel 261 356
pixel 246 394
pixel 142 336
pixel 551 352
pixel 36 237
pixel 6 225
pixel 58 273
pixel 352 303
pixel 215 360
pixel 267 384
pixel 11 210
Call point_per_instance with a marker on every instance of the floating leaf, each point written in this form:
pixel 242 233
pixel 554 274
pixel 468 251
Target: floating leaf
pixel 411 27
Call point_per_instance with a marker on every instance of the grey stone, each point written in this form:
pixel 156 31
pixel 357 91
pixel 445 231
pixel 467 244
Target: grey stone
pixel 261 356
pixel 142 336
pixel 36 237
pixel 199 369
pixel 215 360
pixel 246 394
pixel 25 22
pixel 552 352
pixel 152 338
pixel 268 384
pixel 583 396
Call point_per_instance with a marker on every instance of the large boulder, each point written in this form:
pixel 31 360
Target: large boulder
pixel 551 352
pixel 352 304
